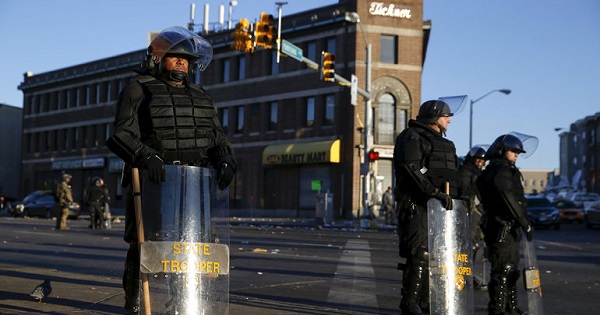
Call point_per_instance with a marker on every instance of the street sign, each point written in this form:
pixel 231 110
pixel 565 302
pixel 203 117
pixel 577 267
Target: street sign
pixel 291 50
pixel 353 90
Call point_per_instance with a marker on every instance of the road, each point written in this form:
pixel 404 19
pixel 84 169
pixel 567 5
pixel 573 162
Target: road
pixel 275 269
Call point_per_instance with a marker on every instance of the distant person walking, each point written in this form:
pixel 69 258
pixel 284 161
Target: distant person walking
pixel 65 198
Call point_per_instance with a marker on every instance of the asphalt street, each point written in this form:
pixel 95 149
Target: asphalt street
pixel 278 266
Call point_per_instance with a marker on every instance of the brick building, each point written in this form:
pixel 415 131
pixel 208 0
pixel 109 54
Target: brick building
pixel 292 133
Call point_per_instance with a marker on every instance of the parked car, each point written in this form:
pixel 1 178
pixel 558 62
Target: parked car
pixel 541 213
pixel 592 214
pixel 569 211
pixel 581 199
pixel 42 203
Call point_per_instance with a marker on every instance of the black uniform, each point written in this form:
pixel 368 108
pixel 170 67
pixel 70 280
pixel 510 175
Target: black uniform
pixel 423 162
pixel 468 173
pixel 177 124
pixel 96 197
pixel 505 214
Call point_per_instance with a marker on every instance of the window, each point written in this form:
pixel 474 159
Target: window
pixel 386 119
pixel 331 45
pixel 108 91
pixel 310 112
pixel 402 120
pixel 98 93
pixel 329 109
pixel 242 67
pixel 274 64
pixel 311 51
pixel 225 118
pixel 389 49
pixel 240 120
pixel 226 68
pixel 273 108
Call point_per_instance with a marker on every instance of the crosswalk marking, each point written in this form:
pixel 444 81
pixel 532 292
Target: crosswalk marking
pixel 354 277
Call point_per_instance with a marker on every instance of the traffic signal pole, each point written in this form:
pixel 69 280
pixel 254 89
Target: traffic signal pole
pixel 368 142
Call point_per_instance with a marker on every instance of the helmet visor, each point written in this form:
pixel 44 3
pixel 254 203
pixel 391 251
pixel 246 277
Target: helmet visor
pixel 530 143
pixel 456 103
pixel 198 49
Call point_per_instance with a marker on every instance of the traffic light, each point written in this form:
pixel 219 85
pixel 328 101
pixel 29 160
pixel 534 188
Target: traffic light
pixel 373 155
pixel 242 37
pixel 263 33
pixel 327 67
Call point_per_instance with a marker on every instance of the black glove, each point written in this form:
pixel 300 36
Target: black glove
pixel 445 199
pixel 529 233
pixel 224 175
pixel 156 169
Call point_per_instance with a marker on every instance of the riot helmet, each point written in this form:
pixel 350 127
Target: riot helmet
pixel 66 176
pixel 507 142
pixel 178 41
pixel 477 152
pixel 430 111
pixel 97 181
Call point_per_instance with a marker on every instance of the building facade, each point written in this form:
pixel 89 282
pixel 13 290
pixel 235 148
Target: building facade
pixel 11 119
pixel 294 136
pixel 580 154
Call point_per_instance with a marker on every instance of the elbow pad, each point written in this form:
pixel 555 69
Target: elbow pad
pixel 124 146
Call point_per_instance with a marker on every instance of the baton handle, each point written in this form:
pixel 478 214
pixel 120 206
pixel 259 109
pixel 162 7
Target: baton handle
pixel 137 201
pixel 447 188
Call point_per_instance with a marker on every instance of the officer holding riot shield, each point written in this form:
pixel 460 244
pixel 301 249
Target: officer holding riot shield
pixel 164 119
pixel 505 217
pixel 424 161
pixel 468 173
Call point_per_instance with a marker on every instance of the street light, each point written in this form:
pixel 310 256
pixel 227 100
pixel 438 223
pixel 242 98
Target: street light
pixel 505 91
pixel 355 18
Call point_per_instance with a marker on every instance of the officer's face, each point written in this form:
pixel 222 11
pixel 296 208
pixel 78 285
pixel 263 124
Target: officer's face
pixel 512 156
pixel 444 122
pixel 175 63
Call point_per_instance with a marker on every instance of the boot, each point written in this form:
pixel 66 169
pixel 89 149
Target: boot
pixel 498 292
pixel 92 220
pixel 412 290
pixel 131 280
pixel 511 306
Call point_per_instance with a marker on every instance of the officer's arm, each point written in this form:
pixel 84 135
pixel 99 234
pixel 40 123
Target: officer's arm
pixel 517 211
pixel 409 152
pixel 125 142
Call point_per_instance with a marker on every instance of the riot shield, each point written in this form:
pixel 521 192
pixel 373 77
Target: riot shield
pixel 450 265
pixel 186 247
pixel 531 278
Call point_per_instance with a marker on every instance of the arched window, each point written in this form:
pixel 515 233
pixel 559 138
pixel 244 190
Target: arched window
pixel 386 119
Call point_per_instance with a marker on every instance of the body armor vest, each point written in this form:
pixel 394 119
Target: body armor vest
pixel 183 126
pixel 489 191
pixel 441 163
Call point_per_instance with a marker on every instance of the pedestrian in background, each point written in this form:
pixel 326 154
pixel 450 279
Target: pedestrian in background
pixel 424 161
pixel 505 216
pixel 163 118
pixel 65 199
pixel 96 197
pixel 389 206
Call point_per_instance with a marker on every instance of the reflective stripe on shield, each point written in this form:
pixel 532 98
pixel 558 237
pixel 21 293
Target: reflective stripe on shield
pixel 186 247
pixel 450 265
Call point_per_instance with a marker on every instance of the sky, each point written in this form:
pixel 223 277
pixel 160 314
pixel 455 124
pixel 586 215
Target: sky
pixel 547 52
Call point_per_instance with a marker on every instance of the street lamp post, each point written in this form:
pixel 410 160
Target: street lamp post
pixel 505 91
pixel 368 140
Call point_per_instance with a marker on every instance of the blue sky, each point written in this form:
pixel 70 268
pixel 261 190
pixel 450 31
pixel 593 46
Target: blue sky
pixel 546 51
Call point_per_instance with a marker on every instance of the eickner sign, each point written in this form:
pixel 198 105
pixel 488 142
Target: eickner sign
pixel 391 10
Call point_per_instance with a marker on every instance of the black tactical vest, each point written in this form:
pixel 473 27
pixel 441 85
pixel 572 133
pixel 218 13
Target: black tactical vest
pixel 182 121
pixel 441 163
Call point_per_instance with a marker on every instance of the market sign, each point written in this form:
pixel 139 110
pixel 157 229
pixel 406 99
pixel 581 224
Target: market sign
pixel 302 153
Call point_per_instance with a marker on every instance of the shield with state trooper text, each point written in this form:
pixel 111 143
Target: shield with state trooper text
pixel 450 265
pixel 531 278
pixel 185 252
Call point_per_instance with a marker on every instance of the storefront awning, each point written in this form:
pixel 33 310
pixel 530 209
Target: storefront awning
pixel 302 153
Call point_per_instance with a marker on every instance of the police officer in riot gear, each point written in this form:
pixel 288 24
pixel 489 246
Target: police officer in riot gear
pixel 96 197
pixel 423 162
pixel 505 216
pixel 468 173
pixel 162 118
